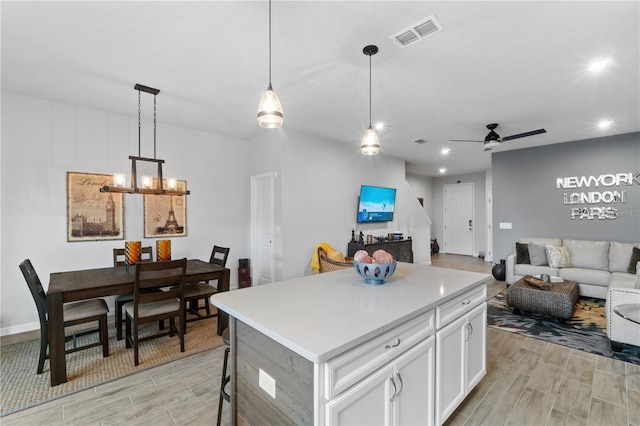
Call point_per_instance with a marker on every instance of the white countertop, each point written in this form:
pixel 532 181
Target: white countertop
pixel 323 315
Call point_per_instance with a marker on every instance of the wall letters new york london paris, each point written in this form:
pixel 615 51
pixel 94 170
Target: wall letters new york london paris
pixel 614 193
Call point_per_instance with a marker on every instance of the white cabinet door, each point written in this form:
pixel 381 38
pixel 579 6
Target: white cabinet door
pixel 400 393
pixel 366 403
pixel 450 379
pixel 413 401
pixel 460 360
pixel 476 346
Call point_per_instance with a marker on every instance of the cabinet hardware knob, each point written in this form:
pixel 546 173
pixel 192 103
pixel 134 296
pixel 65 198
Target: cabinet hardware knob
pixel 396 344
pixel 466 302
pixel 395 389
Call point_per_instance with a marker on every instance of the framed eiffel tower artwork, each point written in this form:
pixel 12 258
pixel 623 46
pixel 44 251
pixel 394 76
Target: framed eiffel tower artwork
pixel 166 215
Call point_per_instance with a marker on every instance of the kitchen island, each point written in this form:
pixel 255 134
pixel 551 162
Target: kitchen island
pixel 330 349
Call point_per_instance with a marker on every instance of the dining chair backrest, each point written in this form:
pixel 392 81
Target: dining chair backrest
pixel 219 256
pixel 118 255
pixel 150 276
pixel 37 291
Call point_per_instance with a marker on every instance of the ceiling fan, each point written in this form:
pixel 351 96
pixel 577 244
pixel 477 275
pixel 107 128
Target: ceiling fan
pixel 493 139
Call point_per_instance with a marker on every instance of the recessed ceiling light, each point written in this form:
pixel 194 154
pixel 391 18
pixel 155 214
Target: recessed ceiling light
pixel 379 126
pixel 442 170
pixel 604 124
pixel 598 65
pixel 445 151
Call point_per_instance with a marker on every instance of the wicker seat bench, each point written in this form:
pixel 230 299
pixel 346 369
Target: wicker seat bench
pixel 558 301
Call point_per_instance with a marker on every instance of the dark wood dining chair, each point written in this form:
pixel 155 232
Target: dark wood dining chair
pixel 194 292
pixel 149 305
pixel 75 313
pixel 121 299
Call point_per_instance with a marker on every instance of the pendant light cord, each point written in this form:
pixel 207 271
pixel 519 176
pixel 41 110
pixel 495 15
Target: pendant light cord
pixel 369 90
pixel 269 44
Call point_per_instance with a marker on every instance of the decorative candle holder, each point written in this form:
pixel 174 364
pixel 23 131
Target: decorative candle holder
pixel 132 253
pixel 163 250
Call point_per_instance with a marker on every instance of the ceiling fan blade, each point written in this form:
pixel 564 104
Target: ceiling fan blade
pixel 462 140
pixel 524 135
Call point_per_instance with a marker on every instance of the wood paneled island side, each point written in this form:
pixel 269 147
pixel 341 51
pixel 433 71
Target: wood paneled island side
pixel 330 349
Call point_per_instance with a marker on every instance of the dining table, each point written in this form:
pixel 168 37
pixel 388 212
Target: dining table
pixel 71 286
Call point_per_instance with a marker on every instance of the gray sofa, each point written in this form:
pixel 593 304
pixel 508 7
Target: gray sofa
pixel 601 270
pixel 595 265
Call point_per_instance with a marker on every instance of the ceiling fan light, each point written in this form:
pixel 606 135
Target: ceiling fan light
pixel 489 145
pixel 370 144
pixel 270 110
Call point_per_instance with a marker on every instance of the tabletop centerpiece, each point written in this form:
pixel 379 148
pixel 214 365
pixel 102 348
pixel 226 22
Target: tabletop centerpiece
pixel 374 269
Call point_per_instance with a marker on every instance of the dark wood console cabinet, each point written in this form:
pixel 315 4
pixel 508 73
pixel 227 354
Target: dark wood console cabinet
pixel 401 250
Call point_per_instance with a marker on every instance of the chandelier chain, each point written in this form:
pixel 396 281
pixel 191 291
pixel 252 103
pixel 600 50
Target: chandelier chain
pixel 154 126
pixel 139 109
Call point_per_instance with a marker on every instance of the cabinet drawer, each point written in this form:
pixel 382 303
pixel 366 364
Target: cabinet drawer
pixel 350 367
pixel 454 308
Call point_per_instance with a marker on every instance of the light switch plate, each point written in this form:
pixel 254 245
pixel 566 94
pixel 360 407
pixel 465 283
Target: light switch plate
pixel 505 225
pixel 267 383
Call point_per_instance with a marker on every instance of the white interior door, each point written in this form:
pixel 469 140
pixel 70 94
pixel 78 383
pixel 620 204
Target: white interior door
pixel 458 218
pixel 262 228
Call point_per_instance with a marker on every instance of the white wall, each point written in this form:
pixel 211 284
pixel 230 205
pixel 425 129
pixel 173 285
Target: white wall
pixel 317 191
pixel 422 187
pixel 42 140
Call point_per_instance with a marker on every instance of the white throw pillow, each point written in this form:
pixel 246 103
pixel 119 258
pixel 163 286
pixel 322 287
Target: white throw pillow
pixel 558 257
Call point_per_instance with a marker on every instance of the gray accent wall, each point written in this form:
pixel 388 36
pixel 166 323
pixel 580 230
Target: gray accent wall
pixel 525 193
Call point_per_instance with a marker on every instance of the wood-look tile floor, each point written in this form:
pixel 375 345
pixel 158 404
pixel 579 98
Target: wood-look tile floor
pixel 528 382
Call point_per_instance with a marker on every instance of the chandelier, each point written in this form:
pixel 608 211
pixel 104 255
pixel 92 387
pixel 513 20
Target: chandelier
pixel 147 185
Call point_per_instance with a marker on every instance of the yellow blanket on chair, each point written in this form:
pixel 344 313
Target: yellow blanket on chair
pixel 315 260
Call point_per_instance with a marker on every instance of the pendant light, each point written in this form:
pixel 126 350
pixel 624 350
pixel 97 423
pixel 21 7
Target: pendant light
pixel 269 110
pixel 370 144
pixel 147 184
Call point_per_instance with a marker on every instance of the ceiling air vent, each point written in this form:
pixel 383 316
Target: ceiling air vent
pixel 417 31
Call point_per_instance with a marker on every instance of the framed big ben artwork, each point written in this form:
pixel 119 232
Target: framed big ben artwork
pixel 93 215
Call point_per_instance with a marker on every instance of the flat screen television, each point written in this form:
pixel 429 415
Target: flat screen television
pixel 376 204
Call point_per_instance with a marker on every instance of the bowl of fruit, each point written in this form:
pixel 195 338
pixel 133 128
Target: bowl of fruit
pixel 374 269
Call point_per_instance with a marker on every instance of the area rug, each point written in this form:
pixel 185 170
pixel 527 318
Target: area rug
pixel 23 388
pixel 585 331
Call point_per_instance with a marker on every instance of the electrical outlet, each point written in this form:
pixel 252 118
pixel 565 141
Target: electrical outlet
pixel 267 383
